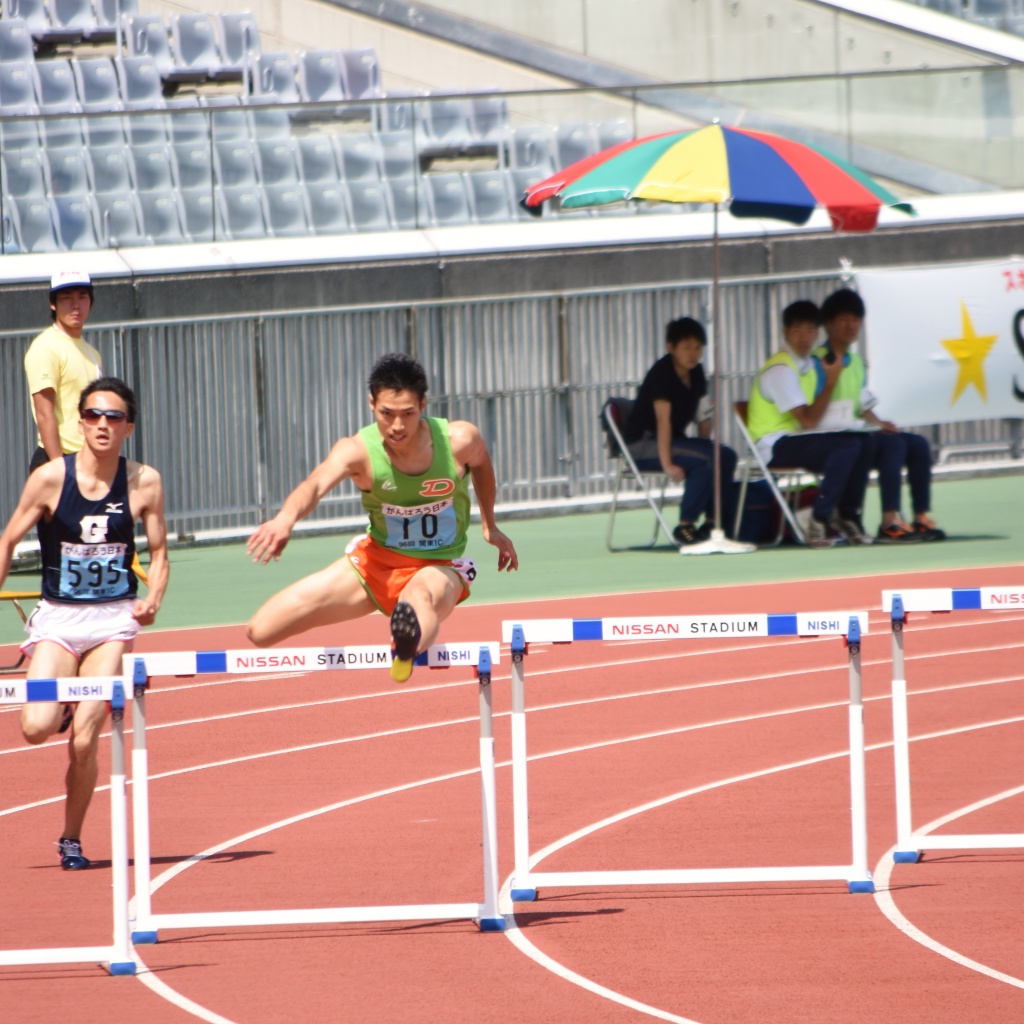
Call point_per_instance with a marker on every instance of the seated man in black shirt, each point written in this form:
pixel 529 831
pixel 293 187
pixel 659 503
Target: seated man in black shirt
pixel 672 396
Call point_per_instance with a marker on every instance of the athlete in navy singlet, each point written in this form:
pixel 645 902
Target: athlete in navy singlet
pixel 85 506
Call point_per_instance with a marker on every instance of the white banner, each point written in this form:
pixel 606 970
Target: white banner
pixel 945 345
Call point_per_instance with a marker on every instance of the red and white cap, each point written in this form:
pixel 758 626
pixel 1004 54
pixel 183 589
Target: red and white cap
pixel 70 279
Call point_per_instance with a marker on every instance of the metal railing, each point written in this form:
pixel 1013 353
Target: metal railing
pixel 235 411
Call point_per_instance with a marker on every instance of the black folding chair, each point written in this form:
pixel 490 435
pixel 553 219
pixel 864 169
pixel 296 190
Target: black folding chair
pixel 614 415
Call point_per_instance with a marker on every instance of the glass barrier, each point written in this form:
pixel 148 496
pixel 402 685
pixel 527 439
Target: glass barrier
pixel 209 167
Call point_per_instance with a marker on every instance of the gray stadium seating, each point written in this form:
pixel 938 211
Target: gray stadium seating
pixel 23 174
pixel 408 209
pixel 240 211
pixel 163 218
pixel 489 196
pixel 362 74
pixel 318 160
pixel 10 230
pixel 574 142
pixel 34 19
pixel 195 46
pixel 186 122
pixel 146 36
pixel 112 169
pixel 79 16
pixel 399 158
pixel 198 215
pixel 193 164
pixel 360 157
pixel 321 76
pixel 447 200
pixel 153 167
pixel 329 209
pixel 229 121
pixel 56 94
pixel 76 220
pixel 274 78
pixel 533 148
pixel 35 219
pixel 239 37
pixel 15 39
pixel 287 210
pixel 276 161
pixel 69 172
pixel 99 91
pixel 120 221
pixel 234 164
pixel 370 206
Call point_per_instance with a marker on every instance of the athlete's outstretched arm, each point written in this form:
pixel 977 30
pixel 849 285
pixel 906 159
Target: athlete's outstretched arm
pixel 469 449
pixel 345 459
pixel 40 494
pixel 145 608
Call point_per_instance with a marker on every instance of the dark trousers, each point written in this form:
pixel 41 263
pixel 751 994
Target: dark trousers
pixel 891 453
pixel 695 456
pixel 843 460
pixel 39 458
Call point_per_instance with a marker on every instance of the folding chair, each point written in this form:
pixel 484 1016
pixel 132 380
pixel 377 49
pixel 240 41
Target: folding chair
pixel 785 482
pixel 614 415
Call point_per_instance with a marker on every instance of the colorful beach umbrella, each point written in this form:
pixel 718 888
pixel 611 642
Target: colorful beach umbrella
pixel 752 174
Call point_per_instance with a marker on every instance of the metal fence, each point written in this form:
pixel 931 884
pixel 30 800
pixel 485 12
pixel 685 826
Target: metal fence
pixel 235 411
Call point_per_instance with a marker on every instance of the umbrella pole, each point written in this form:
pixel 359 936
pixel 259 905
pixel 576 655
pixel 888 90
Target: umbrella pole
pixel 718 543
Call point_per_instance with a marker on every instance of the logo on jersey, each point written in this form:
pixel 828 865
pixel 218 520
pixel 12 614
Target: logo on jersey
pixel 94 529
pixel 388 485
pixel 115 507
pixel 437 488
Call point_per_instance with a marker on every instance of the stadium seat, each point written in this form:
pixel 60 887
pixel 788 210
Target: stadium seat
pixel 120 221
pixel 287 212
pixel 78 16
pixel 361 73
pixel 146 36
pixel 198 215
pixel 276 162
pixel 329 211
pixel 69 172
pixel 395 114
pixel 370 210
pixel 533 148
pixel 573 142
pixel 399 158
pixel 111 170
pixel 19 135
pixel 186 122
pixel 23 174
pixel 360 157
pixel 408 209
pixel 489 197
pixel 153 167
pixel 15 39
pixel 268 123
pixel 228 120
pixel 239 37
pixel 274 78
pixel 32 19
pixel 10 230
pixel 318 160
pixel 234 164
pixel 107 13
pixel 241 212
pixel 76 220
pixel 194 44
pixel 442 123
pixel 193 164
pixel 488 119
pixel 56 94
pixel 163 217
pixel 447 200
pixel 611 133
pixel 99 91
pixel 321 77
pixel 35 218
pixel 17 88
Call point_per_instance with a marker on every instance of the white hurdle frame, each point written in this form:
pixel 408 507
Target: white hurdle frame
pixel 117 957
pixel 911 844
pixel 140 668
pixel 848 625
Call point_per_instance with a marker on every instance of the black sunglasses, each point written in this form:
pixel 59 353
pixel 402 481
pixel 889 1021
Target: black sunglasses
pixel 95 415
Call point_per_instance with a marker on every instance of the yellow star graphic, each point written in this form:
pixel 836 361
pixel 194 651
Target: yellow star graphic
pixel 969 351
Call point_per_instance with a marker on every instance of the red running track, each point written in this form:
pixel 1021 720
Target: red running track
pixel 611 727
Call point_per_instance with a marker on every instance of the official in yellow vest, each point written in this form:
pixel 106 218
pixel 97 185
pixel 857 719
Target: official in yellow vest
pixel 843 316
pixel 789 401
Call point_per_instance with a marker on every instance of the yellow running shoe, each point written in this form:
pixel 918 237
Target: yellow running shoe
pixel 405 639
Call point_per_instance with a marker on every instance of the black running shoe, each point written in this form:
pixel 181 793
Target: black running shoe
pixel 686 533
pixel 71 858
pixel 405 639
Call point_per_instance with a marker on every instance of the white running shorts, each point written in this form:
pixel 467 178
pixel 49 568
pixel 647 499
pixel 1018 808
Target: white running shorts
pixel 79 628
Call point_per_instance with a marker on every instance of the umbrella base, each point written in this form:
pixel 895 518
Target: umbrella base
pixel 718 544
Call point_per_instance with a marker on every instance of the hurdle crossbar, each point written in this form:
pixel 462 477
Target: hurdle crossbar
pixel 849 625
pixel 141 668
pixel 116 957
pixel 910 843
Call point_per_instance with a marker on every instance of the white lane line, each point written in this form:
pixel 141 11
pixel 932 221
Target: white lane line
pixel 886 903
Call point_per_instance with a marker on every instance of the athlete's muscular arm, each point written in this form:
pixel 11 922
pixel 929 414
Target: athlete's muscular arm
pixel 150 509
pixel 469 449
pixel 348 458
pixel 39 497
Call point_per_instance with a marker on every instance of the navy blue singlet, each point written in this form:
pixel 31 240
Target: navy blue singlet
pixel 88 546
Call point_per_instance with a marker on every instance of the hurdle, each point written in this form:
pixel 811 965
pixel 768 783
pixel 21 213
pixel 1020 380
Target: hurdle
pixel 849 625
pixel 480 656
pixel 116 957
pixel 16 597
pixel 911 844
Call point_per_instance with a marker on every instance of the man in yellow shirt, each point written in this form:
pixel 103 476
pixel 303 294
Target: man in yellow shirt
pixel 59 365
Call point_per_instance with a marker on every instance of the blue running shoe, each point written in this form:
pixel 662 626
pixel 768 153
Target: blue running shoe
pixel 71 858
pixel 405 639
